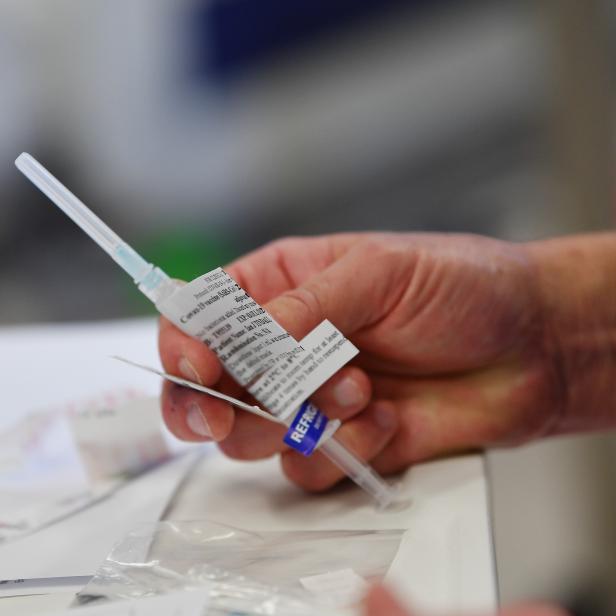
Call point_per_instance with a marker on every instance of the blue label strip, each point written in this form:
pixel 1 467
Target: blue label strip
pixel 306 429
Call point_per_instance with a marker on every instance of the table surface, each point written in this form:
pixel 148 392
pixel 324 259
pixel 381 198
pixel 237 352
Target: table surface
pixel 445 561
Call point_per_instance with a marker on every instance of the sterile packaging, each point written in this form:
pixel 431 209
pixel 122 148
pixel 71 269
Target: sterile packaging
pixel 246 572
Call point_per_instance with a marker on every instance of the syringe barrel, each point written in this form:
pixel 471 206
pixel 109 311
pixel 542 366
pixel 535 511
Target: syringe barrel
pixel 360 472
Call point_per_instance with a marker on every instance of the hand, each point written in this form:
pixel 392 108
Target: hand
pixel 453 349
pixel 380 601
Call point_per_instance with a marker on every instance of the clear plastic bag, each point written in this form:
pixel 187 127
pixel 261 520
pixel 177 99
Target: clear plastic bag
pixel 245 572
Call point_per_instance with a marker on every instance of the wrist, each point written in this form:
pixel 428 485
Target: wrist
pixel 576 283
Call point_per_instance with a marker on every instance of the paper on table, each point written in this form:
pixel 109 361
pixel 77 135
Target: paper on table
pixel 78 544
pixel 42 586
pixel 185 603
pixel 55 463
pixel 69 362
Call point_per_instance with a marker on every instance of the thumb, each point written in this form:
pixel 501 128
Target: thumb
pixel 353 292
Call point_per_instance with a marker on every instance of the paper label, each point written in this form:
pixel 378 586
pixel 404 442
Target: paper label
pixel 324 351
pixel 306 429
pixel 252 345
pixel 216 310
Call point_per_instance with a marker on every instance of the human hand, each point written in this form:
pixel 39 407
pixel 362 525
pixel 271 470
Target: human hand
pixel 380 601
pixel 453 349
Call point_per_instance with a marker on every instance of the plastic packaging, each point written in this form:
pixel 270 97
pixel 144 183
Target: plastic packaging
pixel 245 572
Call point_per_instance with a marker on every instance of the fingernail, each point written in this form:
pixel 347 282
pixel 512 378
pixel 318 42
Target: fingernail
pixel 196 421
pixel 187 370
pixel 386 417
pixel 348 393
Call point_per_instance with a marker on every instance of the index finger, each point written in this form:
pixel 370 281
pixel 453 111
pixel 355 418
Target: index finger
pixel 287 263
pixel 186 357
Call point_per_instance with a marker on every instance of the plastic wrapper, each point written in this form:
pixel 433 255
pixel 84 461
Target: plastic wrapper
pixel 246 572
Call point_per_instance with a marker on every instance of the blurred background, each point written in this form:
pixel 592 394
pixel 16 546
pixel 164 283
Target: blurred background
pixel 200 129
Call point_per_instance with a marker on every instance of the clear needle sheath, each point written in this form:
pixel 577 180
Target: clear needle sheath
pixel 156 285
pixel 150 279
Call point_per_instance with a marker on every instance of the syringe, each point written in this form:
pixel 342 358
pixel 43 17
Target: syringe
pixel 156 285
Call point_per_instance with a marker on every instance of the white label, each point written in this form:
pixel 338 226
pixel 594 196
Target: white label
pixel 244 336
pixel 251 344
pixel 285 386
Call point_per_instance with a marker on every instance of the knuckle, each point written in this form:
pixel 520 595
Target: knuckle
pixel 282 244
pixel 383 254
pixel 306 301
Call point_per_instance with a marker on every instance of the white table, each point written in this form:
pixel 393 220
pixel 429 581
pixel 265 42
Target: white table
pixel 445 561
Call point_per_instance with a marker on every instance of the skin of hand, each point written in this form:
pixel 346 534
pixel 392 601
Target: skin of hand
pixel 456 349
pixel 380 601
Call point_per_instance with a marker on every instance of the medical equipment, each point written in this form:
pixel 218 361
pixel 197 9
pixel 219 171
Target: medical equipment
pixel 157 286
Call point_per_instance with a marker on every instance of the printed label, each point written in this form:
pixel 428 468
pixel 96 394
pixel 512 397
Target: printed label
pixel 324 351
pixel 216 310
pixel 252 345
pixel 306 429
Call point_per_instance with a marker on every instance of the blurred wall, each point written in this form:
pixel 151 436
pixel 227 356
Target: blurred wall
pixel 424 115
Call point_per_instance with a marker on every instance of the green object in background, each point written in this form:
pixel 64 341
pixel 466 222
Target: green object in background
pixel 182 252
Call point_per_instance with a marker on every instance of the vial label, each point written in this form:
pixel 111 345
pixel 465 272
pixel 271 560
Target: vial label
pixel 254 348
